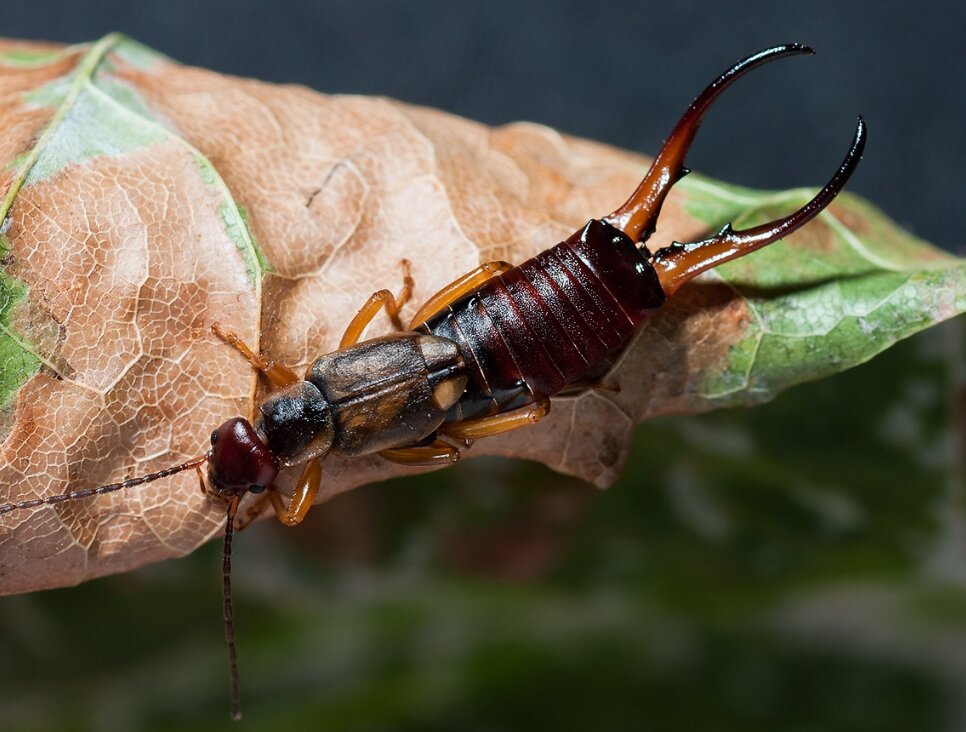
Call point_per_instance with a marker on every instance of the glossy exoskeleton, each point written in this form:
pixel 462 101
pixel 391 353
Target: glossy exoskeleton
pixel 483 356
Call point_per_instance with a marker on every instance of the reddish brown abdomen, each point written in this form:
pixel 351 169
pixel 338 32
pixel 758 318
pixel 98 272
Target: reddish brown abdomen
pixel 530 332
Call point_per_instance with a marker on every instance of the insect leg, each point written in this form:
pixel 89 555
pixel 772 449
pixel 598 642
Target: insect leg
pixel 380 299
pixel 303 497
pixel 439 453
pixel 485 426
pixel 278 374
pixel 201 481
pixel 456 289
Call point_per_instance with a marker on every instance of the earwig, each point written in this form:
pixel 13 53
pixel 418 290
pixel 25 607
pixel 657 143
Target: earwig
pixel 483 356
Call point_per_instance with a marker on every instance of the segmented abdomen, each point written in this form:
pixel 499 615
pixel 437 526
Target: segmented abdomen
pixel 529 332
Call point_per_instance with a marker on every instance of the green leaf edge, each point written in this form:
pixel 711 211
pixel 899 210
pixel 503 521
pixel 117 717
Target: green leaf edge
pixel 716 204
pixel 82 78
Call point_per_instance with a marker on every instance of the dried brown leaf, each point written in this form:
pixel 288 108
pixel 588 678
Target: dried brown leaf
pixel 146 200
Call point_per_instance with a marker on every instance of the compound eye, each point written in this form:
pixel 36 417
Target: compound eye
pixel 256 489
pixel 214 437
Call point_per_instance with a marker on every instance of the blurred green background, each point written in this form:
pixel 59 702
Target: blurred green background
pixel 799 566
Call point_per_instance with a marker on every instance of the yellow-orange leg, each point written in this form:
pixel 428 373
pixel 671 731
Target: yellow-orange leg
pixel 439 453
pixel 456 289
pixel 303 497
pixel 381 299
pixel 485 426
pixel 278 374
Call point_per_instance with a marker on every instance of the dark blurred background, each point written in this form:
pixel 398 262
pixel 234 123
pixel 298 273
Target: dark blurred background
pixel 798 566
pixel 620 72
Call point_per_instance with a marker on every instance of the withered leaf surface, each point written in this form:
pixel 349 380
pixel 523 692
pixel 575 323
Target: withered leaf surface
pixel 143 200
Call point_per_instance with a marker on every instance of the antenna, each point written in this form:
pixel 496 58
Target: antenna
pixel 233 504
pixel 101 490
pixel 229 612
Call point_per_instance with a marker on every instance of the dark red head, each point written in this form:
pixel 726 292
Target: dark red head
pixel 239 460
